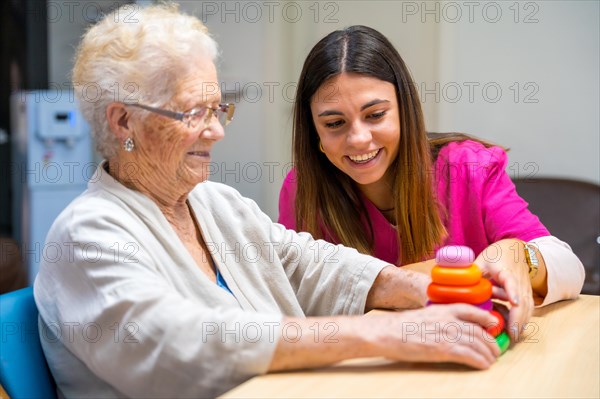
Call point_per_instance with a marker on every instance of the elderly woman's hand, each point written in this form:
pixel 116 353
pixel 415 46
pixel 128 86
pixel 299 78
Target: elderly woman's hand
pixel 440 333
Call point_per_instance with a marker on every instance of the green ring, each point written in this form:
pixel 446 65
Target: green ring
pixel 503 341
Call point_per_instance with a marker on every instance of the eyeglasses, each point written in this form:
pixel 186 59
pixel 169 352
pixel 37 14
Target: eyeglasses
pixel 193 118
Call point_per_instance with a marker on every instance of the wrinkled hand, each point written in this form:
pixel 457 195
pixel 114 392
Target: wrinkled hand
pixel 439 333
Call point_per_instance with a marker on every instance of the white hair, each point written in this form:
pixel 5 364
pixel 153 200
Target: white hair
pixel 131 57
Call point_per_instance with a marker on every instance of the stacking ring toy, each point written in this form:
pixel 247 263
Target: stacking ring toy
pixel 503 341
pixel 455 256
pixel 456 275
pixel 487 305
pixel 495 329
pixel 470 294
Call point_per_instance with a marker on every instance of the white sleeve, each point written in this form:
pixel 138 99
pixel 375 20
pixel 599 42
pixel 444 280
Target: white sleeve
pixel 566 273
pixel 327 279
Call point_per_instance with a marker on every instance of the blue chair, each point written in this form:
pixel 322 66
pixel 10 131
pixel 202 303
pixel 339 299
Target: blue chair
pixel 24 372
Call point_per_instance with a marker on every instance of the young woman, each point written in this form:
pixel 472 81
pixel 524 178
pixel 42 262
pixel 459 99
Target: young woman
pixel 368 176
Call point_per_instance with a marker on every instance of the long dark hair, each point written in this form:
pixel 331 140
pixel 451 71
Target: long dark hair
pixel 328 203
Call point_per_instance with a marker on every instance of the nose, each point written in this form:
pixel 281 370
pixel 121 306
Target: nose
pixel 213 130
pixel 359 135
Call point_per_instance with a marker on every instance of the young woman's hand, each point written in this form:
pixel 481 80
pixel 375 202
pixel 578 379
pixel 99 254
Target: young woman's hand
pixel 504 263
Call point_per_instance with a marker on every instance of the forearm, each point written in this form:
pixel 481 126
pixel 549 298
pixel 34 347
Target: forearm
pixel 317 342
pixel 397 288
pixel 421 267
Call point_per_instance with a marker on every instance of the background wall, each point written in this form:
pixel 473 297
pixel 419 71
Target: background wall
pixel 523 74
pixel 537 76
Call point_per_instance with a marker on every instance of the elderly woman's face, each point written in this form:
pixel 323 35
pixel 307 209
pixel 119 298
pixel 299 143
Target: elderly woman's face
pixel 171 154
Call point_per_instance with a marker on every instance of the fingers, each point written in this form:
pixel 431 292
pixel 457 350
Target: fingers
pixel 471 358
pixel 499 293
pixel 516 324
pixel 515 288
pixel 519 317
pixel 502 309
pixel 470 313
pixel 516 317
pixel 440 333
pixel 473 352
pixel 469 345
pixel 463 336
pixel 480 319
pixel 508 288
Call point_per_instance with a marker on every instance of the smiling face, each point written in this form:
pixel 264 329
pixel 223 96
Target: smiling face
pixel 357 120
pixel 172 158
pixel 192 146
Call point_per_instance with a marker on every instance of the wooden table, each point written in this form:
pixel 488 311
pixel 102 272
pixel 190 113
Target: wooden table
pixel 559 356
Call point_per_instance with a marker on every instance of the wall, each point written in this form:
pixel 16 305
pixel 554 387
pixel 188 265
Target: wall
pixel 67 22
pixel 540 64
pixel 543 55
pixel 263 48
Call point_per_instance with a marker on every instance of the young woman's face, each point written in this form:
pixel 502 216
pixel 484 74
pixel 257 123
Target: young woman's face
pixel 358 123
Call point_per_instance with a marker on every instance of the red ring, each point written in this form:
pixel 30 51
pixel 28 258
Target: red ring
pixel 495 329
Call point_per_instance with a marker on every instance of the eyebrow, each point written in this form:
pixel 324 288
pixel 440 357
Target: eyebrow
pixel 362 108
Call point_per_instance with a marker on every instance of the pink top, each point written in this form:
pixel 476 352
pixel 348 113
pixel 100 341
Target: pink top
pixel 472 184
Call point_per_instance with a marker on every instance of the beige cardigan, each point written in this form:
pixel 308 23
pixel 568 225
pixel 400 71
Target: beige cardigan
pixel 125 311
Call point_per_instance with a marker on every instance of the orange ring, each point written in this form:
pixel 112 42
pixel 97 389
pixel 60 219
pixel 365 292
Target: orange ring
pixel 478 293
pixel 456 275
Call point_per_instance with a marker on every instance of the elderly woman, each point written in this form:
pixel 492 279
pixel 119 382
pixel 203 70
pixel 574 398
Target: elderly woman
pixel 166 287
